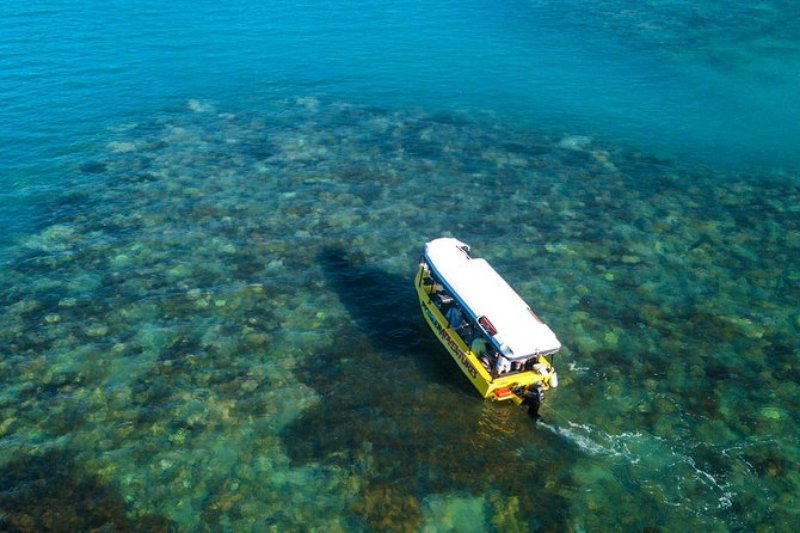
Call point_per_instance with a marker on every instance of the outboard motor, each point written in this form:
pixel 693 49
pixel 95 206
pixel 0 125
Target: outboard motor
pixel 534 396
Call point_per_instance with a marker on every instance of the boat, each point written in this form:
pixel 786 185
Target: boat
pixel 495 338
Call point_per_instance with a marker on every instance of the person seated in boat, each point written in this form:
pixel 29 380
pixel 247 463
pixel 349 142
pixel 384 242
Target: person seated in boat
pixel 478 346
pixel 503 365
pixel 454 317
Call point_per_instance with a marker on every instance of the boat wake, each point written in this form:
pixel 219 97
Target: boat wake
pixel 665 470
pixel 595 441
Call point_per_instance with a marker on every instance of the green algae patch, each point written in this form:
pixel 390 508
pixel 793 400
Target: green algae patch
pixel 772 413
pixel 455 513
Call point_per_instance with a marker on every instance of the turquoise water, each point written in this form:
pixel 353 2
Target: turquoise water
pixel 212 219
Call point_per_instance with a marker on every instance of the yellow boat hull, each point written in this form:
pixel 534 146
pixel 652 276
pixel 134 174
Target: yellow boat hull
pixel 499 388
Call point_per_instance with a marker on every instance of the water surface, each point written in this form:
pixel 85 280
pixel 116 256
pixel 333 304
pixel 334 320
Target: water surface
pixel 213 216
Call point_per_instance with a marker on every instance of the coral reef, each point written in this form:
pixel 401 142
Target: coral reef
pixel 217 327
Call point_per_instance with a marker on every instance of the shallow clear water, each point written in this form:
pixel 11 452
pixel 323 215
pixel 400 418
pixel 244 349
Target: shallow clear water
pixel 213 216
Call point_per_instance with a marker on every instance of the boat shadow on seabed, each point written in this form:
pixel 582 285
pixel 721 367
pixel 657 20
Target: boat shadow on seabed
pixel 381 370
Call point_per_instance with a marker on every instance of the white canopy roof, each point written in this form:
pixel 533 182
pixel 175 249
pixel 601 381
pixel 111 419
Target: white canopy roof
pixel 482 292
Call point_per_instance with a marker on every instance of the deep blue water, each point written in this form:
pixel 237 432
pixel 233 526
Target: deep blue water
pixel 716 84
pixel 201 201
